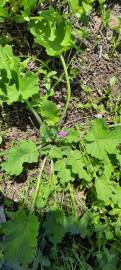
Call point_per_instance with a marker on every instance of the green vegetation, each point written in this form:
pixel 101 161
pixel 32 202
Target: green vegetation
pixel 69 213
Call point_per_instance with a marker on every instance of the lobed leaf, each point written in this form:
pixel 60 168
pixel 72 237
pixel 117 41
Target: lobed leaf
pixel 25 151
pixel 20 238
pixel 102 141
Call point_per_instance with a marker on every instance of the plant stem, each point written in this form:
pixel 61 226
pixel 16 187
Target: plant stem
pixel 37 185
pixel 36 115
pixel 73 200
pixel 68 88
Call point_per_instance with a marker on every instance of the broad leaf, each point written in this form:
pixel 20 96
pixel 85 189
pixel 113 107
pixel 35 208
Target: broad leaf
pixel 108 192
pixel 28 86
pixel 20 238
pixel 57 226
pixel 104 189
pixel 53 32
pixel 75 160
pixel 49 111
pixel 25 151
pixel 14 84
pixel 102 141
pixel 63 171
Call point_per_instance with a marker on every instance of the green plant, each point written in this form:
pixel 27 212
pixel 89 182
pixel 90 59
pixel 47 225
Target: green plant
pixel 69 213
pixel 53 32
pixel 80 8
pixel 116 39
pixel 18 11
pixel 18 85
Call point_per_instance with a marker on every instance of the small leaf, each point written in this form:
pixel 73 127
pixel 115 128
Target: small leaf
pixel 25 151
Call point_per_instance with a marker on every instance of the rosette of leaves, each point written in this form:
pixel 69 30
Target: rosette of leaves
pixel 52 31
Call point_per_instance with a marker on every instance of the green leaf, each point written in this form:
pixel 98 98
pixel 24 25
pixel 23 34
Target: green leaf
pixel 25 151
pixel 3 13
pixel 45 190
pixel 57 226
pixel 56 153
pixel 81 7
pixel 80 226
pixel 28 86
pixel 49 111
pixel 53 32
pixel 75 160
pixel 102 141
pixel 14 84
pixel 72 136
pixel 63 172
pixel 104 189
pixel 20 238
pixel 8 63
pixel 1 139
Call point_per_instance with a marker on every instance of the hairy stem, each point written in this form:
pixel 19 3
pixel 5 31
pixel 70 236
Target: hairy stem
pixel 68 88
pixel 37 185
pixel 36 115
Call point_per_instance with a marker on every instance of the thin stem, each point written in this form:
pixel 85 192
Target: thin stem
pixel 68 88
pixel 37 185
pixel 36 115
pixel 73 200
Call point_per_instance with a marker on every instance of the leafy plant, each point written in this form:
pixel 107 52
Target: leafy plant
pixel 18 11
pixel 24 152
pixel 116 39
pixel 20 241
pixel 52 31
pixel 81 8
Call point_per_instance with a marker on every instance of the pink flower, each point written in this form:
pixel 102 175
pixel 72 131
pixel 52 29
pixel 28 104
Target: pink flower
pixel 62 134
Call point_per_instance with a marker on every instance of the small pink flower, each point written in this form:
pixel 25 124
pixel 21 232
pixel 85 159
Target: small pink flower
pixel 62 134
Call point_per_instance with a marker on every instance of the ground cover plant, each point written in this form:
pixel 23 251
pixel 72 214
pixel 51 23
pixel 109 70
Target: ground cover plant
pixel 60 135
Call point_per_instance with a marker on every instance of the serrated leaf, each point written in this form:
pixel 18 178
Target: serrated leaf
pixel 56 153
pixel 25 151
pixel 63 172
pixel 57 226
pixel 20 238
pixel 8 62
pixel 75 160
pixel 45 190
pixel 80 226
pixel 72 136
pixel 104 189
pixel 14 84
pixel 101 140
